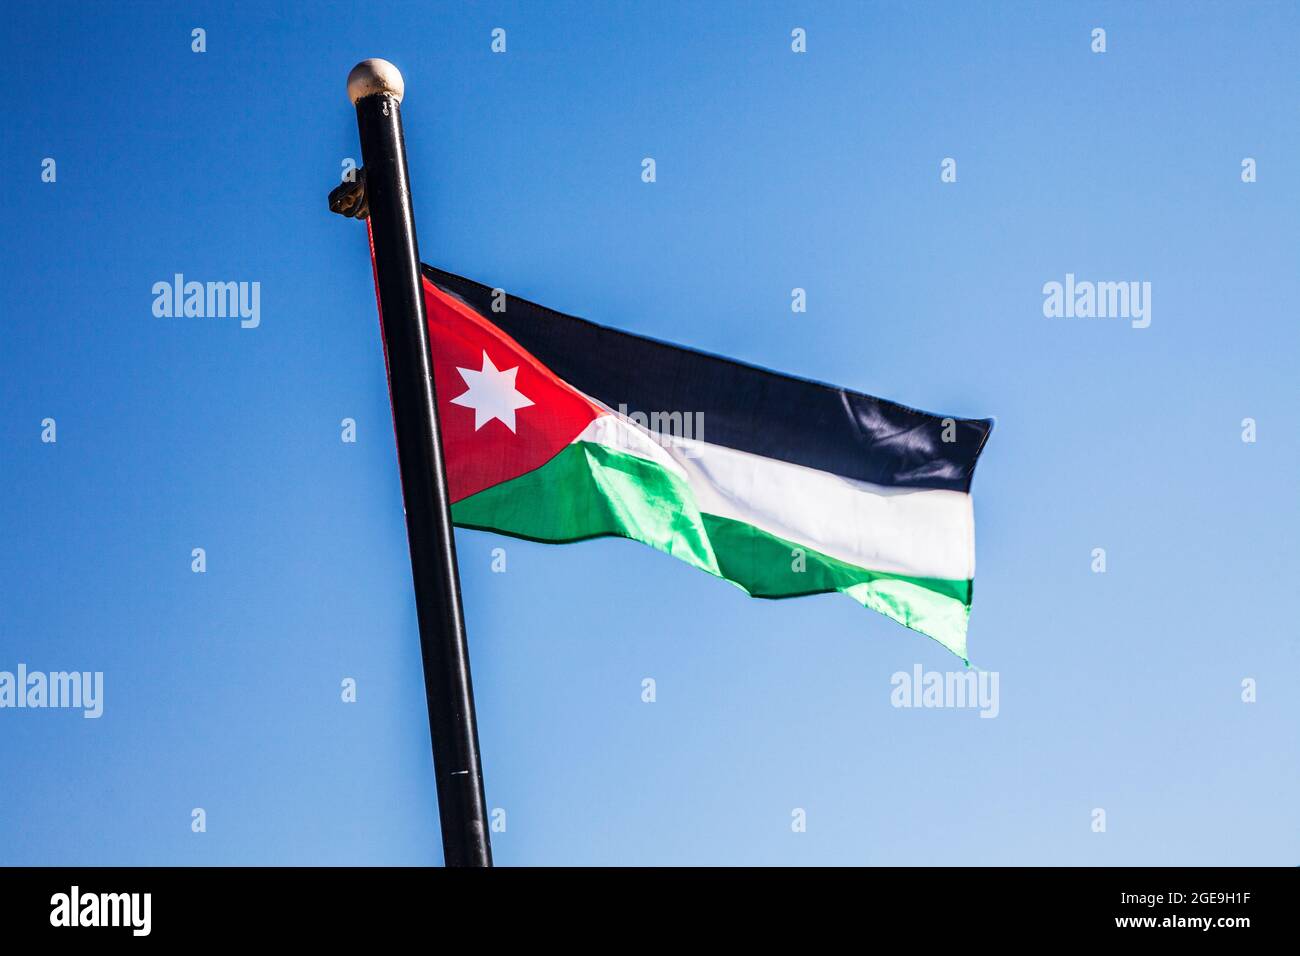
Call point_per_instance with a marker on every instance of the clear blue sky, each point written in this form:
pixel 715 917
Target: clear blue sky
pixel 775 170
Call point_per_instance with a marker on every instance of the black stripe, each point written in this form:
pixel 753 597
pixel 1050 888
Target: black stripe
pixel 744 407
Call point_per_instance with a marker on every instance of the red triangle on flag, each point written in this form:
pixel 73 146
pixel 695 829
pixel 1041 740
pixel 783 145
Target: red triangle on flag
pixel 501 412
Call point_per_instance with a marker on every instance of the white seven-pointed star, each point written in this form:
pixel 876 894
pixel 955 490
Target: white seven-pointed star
pixel 491 394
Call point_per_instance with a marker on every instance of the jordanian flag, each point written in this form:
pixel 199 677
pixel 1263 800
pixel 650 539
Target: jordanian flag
pixel 555 429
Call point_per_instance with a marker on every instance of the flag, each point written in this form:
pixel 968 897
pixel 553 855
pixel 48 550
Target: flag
pixel 556 429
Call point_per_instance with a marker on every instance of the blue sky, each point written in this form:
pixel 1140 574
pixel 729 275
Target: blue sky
pixel 775 170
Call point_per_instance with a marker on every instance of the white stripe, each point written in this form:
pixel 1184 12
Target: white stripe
pixel 924 532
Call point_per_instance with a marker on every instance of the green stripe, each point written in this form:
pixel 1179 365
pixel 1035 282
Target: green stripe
pixel 589 490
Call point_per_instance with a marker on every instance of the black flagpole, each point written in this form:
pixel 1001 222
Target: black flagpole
pixel 376 88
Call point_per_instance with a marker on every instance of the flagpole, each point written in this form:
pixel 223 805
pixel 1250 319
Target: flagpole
pixel 376 88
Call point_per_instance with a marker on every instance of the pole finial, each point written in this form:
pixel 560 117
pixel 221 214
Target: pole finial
pixel 375 76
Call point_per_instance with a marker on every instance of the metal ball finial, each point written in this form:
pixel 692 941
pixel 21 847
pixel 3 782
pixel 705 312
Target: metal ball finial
pixel 375 76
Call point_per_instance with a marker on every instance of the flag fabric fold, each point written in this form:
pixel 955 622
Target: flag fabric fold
pixel 556 429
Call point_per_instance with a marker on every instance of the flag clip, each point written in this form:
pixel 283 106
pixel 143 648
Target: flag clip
pixel 349 199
